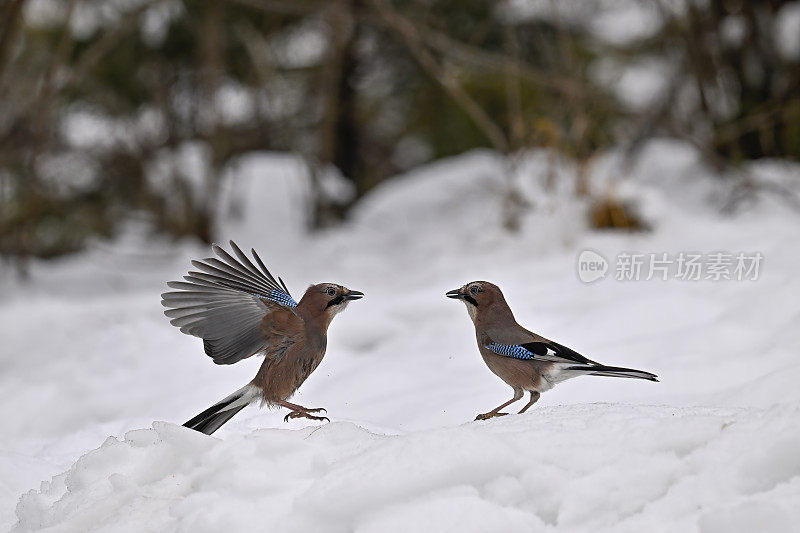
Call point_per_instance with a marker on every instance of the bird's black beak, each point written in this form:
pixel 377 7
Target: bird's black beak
pixel 454 294
pixel 354 295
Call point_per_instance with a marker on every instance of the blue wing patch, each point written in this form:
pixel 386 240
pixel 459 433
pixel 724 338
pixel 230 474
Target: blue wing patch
pixel 280 297
pixel 511 350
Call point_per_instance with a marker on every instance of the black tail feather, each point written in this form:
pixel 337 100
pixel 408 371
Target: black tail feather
pixel 616 372
pixel 218 414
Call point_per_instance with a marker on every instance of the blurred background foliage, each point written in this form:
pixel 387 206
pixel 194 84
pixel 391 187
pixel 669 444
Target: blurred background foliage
pixel 111 109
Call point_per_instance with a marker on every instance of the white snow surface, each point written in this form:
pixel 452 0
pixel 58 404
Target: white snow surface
pixel 713 447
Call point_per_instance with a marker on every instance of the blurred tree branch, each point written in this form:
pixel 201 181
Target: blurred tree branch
pixel 10 15
pixel 408 33
pixel 293 7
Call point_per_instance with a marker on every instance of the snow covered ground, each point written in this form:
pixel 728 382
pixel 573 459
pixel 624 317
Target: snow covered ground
pixel 87 353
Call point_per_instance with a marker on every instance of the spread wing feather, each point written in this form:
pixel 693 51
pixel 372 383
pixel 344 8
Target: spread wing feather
pixel 225 303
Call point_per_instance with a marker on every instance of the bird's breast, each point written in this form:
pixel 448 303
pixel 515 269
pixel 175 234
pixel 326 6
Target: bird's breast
pixel 281 378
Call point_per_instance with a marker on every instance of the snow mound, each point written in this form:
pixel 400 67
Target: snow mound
pixel 404 363
pixel 593 467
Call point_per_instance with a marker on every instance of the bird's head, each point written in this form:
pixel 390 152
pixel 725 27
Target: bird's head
pixel 328 299
pixel 478 296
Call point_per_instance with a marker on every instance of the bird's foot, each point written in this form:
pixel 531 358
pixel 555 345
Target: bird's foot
pixel 306 413
pixel 490 414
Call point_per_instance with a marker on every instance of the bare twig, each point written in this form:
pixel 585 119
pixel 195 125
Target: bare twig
pixel 513 96
pixel 282 7
pixel 103 46
pixel 758 120
pixel 406 30
pixel 478 57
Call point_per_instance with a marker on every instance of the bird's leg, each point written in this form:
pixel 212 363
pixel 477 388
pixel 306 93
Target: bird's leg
pixel 295 407
pixel 298 411
pixel 496 411
pixel 534 397
pixel 304 414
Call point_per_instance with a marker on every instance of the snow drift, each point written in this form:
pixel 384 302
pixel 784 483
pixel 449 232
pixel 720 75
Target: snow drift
pixel 87 353
pixel 597 467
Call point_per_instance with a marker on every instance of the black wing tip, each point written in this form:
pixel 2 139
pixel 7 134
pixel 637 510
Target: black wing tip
pixel 285 288
pixel 535 347
pixel 267 273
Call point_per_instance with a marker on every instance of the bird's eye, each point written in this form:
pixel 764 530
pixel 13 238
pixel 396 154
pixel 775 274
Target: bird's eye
pixel 330 291
pixel 473 290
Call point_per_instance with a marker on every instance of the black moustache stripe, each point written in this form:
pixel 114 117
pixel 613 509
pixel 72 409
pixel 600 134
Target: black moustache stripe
pixel 335 301
pixel 471 300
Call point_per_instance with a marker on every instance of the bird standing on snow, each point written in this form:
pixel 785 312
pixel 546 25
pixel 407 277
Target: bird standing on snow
pixel 524 360
pixel 239 310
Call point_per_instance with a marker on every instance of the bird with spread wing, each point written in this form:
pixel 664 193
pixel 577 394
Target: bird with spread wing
pixel 239 309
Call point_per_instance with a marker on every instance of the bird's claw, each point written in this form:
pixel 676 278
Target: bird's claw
pixel 306 414
pixel 490 414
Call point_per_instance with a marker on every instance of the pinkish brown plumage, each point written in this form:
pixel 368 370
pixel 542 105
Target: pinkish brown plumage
pixel 524 360
pixel 239 310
